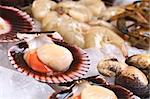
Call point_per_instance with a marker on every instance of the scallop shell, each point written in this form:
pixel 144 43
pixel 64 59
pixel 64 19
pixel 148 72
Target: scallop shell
pixel 78 68
pixel 16 3
pixel 121 92
pixel 17 20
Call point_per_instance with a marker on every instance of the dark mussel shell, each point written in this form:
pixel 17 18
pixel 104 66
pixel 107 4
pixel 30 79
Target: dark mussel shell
pixel 16 3
pixel 18 20
pixel 78 68
pixel 140 90
pixel 141 61
pixel 135 81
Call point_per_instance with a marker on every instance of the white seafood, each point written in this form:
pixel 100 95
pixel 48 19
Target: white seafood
pixel 98 22
pixel 111 67
pixel 71 30
pixel 99 35
pixel 95 6
pixel 57 57
pixel 97 92
pixel 53 20
pixel 40 8
pixel 75 10
pixel 49 54
pixel 39 41
pixel 70 18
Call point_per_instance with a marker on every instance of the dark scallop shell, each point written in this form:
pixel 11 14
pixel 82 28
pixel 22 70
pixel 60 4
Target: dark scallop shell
pixel 18 20
pixel 94 79
pixel 16 3
pixel 78 68
pixel 121 92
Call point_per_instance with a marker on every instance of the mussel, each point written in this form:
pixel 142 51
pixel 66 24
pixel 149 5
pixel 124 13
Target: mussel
pixel 141 61
pixel 134 80
pixel 111 67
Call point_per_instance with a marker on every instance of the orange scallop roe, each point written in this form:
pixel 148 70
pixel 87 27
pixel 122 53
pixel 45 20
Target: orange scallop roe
pixel 77 97
pixel 37 65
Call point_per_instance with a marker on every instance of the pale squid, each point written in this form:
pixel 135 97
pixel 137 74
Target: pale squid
pixel 40 8
pixel 75 10
pixel 99 35
pixel 71 30
pixel 95 6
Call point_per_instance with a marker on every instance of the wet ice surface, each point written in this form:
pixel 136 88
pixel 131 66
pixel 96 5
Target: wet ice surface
pixel 3 55
pixel 14 85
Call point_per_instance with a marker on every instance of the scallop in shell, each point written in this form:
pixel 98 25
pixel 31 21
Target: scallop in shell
pixel 83 88
pixel 13 20
pixel 77 69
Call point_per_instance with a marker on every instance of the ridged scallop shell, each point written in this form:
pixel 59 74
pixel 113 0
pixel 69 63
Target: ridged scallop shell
pixel 121 92
pixel 16 3
pixel 18 21
pixel 78 68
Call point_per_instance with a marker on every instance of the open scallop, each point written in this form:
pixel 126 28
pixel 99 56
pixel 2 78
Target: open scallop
pixel 87 89
pixel 77 69
pixel 13 20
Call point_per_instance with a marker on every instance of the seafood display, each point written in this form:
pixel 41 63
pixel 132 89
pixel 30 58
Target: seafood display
pixel 71 19
pixel 128 75
pixel 13 20
pixel 83 49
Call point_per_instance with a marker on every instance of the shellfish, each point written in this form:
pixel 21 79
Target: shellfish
pixel 78 67
pixel 13 20
pixel 134 80
pixel 16 3
pixel 84 88
pixel 141 61
pixel 111 67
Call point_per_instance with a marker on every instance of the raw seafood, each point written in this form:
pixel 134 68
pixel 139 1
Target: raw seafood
pixel 97 36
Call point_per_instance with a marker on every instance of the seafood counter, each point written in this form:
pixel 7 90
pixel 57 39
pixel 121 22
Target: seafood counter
pixel 76 49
